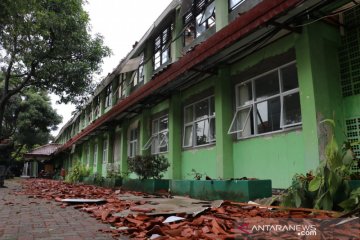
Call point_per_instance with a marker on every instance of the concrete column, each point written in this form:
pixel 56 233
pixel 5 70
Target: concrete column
pixel 124 147
pixel 175 136
pixel 223 114
pixel 177 45
pixel 221 13
pixel 320 96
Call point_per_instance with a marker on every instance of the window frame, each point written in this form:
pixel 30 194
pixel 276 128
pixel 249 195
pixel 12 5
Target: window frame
pixel 156 135
pixel 96 109
pixel 191 18
pixel 138 75
pixel 133 142
pixel 163 46
pixel 108 96
pixel 231 8
pixel 253 103
pixel 194 121
pixel 121 86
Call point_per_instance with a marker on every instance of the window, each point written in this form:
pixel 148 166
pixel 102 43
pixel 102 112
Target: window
pixel 267 103
pixel 88 116
pixel 200 18
pixel 159 139
pixel 108 96
pixel 96 111
pixel 105 151
pixel 234 3
pixel 95 155
pixel 133 143
pixel 121 87
pixel 162 48
pixel 199 123
pixel 138 76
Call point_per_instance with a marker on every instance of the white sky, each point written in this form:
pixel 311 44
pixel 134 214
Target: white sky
pixel 121 22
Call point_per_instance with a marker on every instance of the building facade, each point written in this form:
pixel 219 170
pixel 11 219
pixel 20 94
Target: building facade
pixel 230 89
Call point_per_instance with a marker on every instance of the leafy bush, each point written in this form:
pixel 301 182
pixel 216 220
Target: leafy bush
pixel 148 166
pixel 322 189
pixel 77 173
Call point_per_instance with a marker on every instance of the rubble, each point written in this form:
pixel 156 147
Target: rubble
pixel 142 216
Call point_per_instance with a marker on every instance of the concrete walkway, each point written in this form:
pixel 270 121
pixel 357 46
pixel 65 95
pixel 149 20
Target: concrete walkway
pixel 25 218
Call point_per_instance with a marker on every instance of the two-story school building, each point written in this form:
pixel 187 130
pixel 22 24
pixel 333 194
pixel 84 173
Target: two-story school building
pixel 229 88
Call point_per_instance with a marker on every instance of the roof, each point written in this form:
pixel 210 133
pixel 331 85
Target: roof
pixel 43 152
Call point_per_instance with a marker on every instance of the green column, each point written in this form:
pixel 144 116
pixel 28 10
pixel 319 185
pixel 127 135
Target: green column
pixel 124 147
pixel 224 114
pixel 222 13
pixel 144 131
pixel 175 136
pixel 306 64
pixel 320 95
pixel 177 45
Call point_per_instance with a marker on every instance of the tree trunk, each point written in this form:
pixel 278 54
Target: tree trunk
pixel 2 114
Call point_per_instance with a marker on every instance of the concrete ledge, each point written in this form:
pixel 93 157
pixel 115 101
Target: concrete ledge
pixel 233 190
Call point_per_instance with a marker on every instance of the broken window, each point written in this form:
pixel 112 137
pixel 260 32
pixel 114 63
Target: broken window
pixel 133 143
pixel 162 48
pixel 105 151
pixel 198 19
pixel 267 103
pixel 138 75
pixel 121 87
pixel 96 108
pixel 199 123
pixel 108 96
pixel 235 3
pixel 159 139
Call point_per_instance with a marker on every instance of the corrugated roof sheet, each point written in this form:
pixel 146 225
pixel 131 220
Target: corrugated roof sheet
pixel 46 150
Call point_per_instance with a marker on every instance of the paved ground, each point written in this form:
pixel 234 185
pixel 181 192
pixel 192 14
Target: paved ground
pixel 25 218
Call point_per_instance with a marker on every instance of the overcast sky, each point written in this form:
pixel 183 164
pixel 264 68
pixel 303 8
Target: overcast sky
pixel 121 22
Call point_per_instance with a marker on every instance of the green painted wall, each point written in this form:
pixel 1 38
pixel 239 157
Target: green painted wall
pixel 277 157
pixel 202 160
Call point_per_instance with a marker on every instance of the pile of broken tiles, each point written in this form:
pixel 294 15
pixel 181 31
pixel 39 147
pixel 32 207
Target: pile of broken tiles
pixel 141 216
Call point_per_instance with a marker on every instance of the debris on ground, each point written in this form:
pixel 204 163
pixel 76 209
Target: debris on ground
pixel 143 216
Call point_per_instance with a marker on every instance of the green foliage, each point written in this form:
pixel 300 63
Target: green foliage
pixel 322 189
pixel 148 166
pixel 77 173
pixel 47 45
pixel 196 175
pixel 353 202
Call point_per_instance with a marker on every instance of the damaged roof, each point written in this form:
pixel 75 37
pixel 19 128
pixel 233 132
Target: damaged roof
pixel 43 152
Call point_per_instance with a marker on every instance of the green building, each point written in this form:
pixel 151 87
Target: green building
pixel 230 88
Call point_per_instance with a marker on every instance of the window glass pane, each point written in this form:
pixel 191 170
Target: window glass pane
pixel 200 28
pixel 241 120
pixel 155 125
pixel 202 109
pixel 209 11
pixel 157 60
pixel 268 115
pixel 163 142
pixel 289 78
pixel 212 132
pixel 202 132
pixel 163 124
pixel 245 94
pixel 189 114
pixel 188 136
pixel 267 85
pixel 155 145
pixel 248 126
pixel 212 106
pixel 189 34
pixel 292 111
pixel 235 3
pixel 165 56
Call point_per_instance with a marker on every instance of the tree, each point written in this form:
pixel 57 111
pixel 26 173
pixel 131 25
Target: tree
pixel 46 44
pixel 28 121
